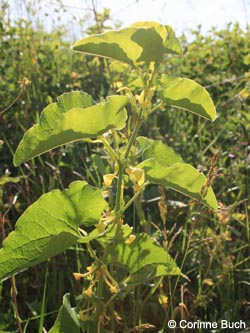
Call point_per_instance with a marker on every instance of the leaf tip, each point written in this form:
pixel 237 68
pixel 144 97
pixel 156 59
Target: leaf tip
pixel 16 161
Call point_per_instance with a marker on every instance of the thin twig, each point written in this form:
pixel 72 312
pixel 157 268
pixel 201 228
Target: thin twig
pixel 99 29
pixel 14 300
pixel 12 281
pixel 25 82
pixel 233 79
pixel 96 17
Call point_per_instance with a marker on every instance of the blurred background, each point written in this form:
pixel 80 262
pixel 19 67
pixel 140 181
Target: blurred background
pixel 183 15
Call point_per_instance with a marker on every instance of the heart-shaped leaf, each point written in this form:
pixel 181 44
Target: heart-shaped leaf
pixel 142 258
pixel 155 149
pixel 66 320
pixel 142 43
pixel 163 166
pixel 49 226
pixel 188 95
pixel 72 118
pixel 180 177
pixel 107 236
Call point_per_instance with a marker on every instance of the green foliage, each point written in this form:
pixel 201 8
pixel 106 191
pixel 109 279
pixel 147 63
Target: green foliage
pixel 7 179
pixel 153 260
pixel 53 223
pixel 218 61
pixel 51 67
pixel 163 166
pixel 140 44
pixel 180 177
pixel 188 95
pixel 72 118
pixel 67 318
pixel 156 149
pixel 50 226
pixel 212 249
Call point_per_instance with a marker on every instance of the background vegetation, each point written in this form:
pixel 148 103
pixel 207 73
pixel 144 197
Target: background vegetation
pixel 212 249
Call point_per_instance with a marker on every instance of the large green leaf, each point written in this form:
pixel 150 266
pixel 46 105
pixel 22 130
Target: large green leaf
pixel 67 320
pixel 172 44
pixel 72 118
pixel 186 94
pixel 181 177
pixel 155 149
pixel 107 236
pixel 49 226
pixel 142 43
pixel 143 258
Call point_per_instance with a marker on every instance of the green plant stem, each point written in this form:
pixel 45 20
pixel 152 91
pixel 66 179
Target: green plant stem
pixel 91 252
pixel 110 150
pixel 41 321
pixel 99 303
pixel 122 165
pixel 23 84
pixel 134 134
pixel 157 107
pixel 119 191
pixel 183 259
pixel 152 291
pixel 12 280
pixel 135 196
pixel 15 306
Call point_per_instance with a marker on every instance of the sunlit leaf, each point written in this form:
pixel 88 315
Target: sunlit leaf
pixel 155 149
pixel 143 258
pixel 172 44
pixel 107 236
pixel 163 166
pixel 49 226
pixel 142 43
pixel 67 320
pixel 181 177
pixel 72 118
pixel 188 95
